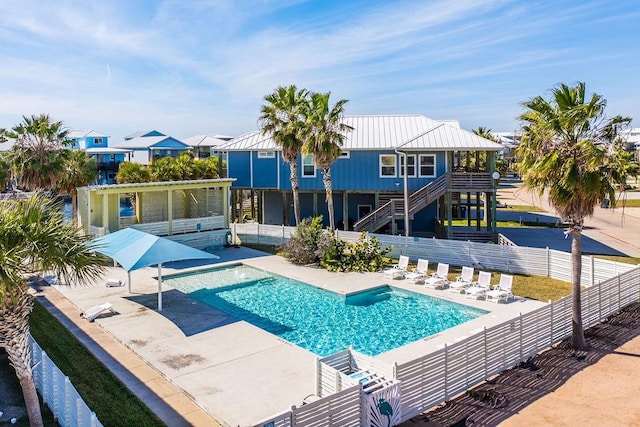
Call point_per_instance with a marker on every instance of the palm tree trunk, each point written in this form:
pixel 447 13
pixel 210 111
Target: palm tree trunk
pixel 74 207
pixel 326 179
pixel 14 332
pixel 577 337
pixel 295 187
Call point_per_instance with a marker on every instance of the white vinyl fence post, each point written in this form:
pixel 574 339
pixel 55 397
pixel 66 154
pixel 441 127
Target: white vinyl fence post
pixel 591 270
pixel 446 372
pixel 67 402
pixel 283 234
pixel 258 232
pixel 521 336
pixel 551 325
pixel 548 262
pixel 486 351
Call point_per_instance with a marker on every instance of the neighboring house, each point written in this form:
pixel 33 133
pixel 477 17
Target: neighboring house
pixel 204 146
pixel 369 187
pixel 632 140
pixel 96 145
pixel 147 146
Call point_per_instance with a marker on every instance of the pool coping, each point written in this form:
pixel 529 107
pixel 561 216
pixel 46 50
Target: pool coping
pixel 230 357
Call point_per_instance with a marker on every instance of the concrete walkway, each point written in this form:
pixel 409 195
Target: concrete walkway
pixel 168 402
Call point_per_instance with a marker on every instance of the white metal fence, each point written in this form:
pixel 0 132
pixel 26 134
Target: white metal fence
pixel 436 377
pixel 504 258
pixel 58 393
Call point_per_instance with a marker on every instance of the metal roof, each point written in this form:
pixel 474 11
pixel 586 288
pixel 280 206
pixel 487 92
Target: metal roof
pixel 86 133
pixel 142 133
pixel 204 141
pixel 150 142
pixel 107 150
pixel 408 132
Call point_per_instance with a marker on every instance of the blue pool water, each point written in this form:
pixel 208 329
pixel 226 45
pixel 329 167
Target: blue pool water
pixel 323 322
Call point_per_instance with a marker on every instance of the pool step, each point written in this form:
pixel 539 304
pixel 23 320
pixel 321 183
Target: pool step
pixel 370 297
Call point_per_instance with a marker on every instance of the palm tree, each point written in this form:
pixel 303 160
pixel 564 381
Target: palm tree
pixel 164 169
pixel 37 157
pixel 78 170
pixel 566 150
pixel 133 173
pixel 281 117
pixel 323 133
pixel 34 237
pixel 184 165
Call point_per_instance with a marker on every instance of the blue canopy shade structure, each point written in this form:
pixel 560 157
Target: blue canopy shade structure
pixel 134 249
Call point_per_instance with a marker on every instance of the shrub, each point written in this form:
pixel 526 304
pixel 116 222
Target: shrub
pixel 303 246
pixel 364 255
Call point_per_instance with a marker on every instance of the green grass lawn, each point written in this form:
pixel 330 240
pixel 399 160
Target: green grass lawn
pixel 103 392
pixel 522 208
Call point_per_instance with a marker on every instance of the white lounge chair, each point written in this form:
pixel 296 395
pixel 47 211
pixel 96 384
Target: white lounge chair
pixel 398 270
pixel 463 281
pixel 114 283
pixel 502 292
pixel 439 279
pixel 96 310
pixel 481 287
pixel 419 274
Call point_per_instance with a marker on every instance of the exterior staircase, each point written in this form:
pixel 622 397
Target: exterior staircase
pixel 394 208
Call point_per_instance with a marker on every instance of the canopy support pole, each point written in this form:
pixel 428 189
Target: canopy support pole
pixel 159 286
pixel 129 281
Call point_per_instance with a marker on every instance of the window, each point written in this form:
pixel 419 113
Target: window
pixel 98 140
pixel 308 168
pixel 427 165
pixel 411 165
pixel 345 154
pixel 387 165
pixel 266 154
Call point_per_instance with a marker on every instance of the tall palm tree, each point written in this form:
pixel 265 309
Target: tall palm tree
pixel 37 154
pixel 78 170
pixel 34 237
pixel 324 132
pixel 566 150
pixel 281 117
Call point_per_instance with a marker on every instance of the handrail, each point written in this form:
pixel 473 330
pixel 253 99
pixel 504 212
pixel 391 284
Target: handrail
pixel 395 207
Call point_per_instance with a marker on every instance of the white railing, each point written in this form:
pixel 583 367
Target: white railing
pixel 505 258
pixel 182 225
pixel 58 393
pixel 436 377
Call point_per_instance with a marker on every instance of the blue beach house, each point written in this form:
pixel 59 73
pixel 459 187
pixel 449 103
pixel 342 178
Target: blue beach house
pixel 96 145
pixel 147 146
pixel 450 174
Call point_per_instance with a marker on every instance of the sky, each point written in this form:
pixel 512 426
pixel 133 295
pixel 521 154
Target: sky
pixel 204 66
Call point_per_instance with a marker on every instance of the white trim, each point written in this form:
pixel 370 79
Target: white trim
pixel 266 155
pixel 302 165
pixel 395 166
pixel 419 166
pixel 415 166
pixel 345 154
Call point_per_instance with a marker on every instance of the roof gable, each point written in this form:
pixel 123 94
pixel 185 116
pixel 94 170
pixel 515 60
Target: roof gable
pixel 156 142
pixel 143 134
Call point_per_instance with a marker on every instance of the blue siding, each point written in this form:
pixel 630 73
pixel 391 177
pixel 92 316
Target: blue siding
pixel 90 142
pixel 172 143
pixel 265 171
pixel 238 167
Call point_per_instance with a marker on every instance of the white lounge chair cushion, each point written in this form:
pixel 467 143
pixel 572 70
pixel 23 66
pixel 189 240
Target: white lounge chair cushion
pixel 111 283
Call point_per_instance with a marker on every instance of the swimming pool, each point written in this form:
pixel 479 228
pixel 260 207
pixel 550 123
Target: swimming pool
pixel 321 321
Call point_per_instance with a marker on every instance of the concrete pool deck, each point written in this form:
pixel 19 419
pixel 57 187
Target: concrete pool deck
pixel 234 371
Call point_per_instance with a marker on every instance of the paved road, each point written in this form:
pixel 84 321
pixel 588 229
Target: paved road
pixel 617 228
